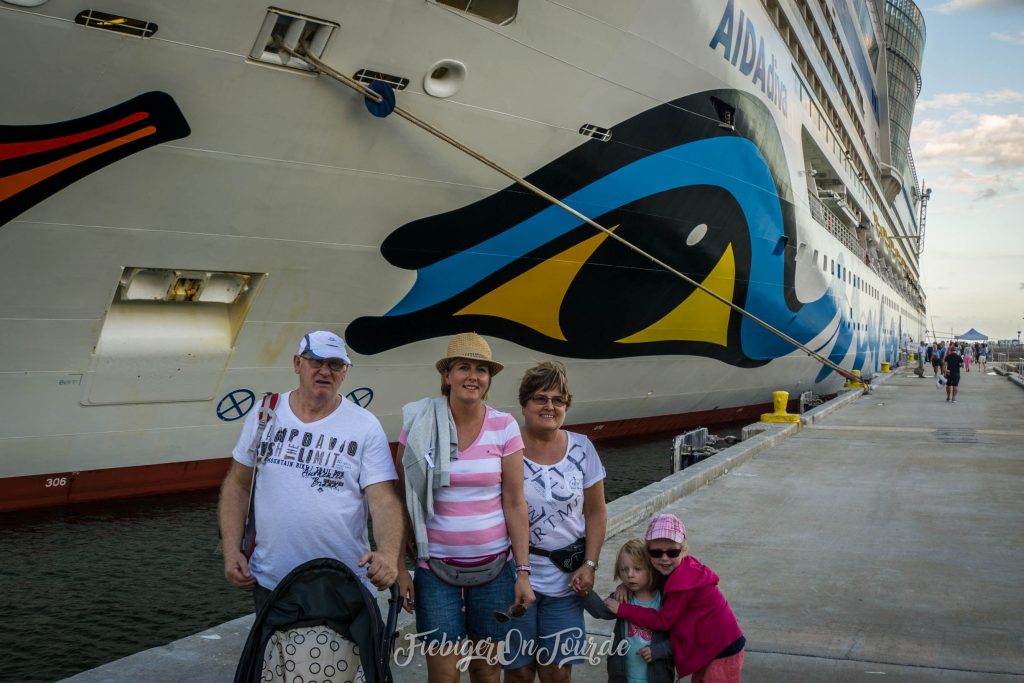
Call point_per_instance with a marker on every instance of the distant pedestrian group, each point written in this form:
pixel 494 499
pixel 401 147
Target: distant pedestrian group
pixel 948 360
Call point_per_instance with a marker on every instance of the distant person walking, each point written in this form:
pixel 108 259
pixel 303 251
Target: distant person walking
pixel 936 359
pixel 922 350
pixel 983 357
pixel 968 355
pixel 951 364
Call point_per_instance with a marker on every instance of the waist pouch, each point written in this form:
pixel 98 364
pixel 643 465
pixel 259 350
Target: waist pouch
pixel 568 559
pixel 469 574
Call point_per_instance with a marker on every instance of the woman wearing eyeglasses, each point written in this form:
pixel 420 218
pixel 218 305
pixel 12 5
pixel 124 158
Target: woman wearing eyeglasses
pixel 564 489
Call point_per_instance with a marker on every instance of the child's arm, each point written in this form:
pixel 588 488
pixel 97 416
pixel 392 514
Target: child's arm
pixel 660 619
pixel 661 650
pixel 595 607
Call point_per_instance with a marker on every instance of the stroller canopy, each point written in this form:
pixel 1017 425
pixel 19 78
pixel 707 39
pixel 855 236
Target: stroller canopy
pixel 321 618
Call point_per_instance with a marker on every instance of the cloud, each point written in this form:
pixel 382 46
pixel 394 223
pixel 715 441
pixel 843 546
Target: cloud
pixel 1022 285
pixel 1010 38
pixel 956 5
pixel 952 100
pixel 987 193
pixel 996 141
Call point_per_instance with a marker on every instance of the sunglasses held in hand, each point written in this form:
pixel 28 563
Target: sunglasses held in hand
pixel 512 612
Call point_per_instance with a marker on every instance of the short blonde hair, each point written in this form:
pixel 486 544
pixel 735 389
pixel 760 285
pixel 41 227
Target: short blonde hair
pixel 636 550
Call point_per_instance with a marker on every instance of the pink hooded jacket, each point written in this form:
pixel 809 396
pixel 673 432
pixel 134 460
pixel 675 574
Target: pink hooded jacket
pixel 694 612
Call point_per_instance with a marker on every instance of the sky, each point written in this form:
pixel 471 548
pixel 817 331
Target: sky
pixel 968 146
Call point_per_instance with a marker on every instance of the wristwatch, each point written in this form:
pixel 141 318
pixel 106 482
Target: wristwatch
pixel 591 564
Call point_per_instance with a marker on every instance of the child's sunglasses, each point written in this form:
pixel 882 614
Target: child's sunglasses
pixel 671 552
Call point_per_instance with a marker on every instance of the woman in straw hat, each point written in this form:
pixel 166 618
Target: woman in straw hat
pixel 462 473
pixel 568 518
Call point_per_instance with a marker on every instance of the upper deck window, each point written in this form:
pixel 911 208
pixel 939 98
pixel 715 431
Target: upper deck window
pixel 497 11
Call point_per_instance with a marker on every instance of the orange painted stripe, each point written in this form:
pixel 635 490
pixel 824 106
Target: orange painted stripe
pixel 12 150
pixel 12 185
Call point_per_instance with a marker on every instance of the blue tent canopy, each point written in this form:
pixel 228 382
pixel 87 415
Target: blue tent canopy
pixel 972 335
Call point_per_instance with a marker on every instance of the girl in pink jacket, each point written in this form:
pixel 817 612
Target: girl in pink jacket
pixel 706 638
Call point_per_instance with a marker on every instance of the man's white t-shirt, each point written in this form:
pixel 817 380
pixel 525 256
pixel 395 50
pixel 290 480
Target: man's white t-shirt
pixel 554 494
pixel 309 489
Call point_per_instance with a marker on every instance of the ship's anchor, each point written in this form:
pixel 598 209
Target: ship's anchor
pixel 382 103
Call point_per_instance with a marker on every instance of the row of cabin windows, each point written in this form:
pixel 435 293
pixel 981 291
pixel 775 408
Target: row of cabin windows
pixel 836 269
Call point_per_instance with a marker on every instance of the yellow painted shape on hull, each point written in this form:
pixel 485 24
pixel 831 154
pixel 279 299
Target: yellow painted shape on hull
pixel 700 317
pixel 535 298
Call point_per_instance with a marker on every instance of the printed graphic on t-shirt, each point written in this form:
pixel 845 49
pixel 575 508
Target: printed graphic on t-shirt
pixel 326 461
pixel 638 632
pixel 556 493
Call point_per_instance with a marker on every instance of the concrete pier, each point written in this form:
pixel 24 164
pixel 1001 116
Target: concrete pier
pixel 882 540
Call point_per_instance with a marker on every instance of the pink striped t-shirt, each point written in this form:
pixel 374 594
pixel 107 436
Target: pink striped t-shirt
pixel 468 521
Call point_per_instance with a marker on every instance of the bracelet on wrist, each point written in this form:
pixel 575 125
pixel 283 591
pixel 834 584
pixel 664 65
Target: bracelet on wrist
pixel 524 568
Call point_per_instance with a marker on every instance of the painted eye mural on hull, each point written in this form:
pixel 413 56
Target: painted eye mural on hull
pixel 38 161
pixel 711 201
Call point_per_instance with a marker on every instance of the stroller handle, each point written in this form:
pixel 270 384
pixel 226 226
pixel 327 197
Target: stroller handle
pixel 390 626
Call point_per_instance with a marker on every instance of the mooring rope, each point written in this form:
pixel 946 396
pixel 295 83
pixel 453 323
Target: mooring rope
pixel 361 88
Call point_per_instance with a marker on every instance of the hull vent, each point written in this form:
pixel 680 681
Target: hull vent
pixel 597 132
pixel 367 76
pixel 115 23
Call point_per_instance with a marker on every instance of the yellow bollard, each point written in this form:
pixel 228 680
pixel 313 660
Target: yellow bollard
pixel 854 385
pixel 885 367
pixel 912 357
pixel 779 401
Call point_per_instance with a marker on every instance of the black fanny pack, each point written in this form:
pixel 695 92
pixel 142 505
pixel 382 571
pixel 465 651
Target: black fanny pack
pixel 469 575
pixel 568 559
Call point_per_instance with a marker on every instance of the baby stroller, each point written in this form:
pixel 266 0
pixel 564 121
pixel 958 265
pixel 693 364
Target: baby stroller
pixel 322 624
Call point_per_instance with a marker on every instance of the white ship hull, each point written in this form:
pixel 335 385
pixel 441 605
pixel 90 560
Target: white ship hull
pixel 285 182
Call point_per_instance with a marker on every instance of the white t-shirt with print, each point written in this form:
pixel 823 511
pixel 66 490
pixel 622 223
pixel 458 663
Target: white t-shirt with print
pixel 554 494
pixel 309 489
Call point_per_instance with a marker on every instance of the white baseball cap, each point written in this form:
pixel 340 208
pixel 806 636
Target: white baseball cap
pixel 321 345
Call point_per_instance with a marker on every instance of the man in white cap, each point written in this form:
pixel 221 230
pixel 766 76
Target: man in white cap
pixel 323 461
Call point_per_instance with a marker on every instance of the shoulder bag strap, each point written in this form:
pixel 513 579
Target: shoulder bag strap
pixel 267 413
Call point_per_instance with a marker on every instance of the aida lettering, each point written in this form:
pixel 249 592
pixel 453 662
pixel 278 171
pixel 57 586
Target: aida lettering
pixel 744 49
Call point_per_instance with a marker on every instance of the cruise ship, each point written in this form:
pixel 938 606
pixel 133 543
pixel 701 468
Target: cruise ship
pixel 183 194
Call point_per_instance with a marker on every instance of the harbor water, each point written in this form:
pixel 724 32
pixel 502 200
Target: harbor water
pixel 94 582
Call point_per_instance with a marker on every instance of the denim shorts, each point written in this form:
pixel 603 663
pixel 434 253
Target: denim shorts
pixel 454 613
pixel 551 632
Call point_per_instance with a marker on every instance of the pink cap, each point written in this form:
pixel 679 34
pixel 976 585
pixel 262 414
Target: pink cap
pixel 666 526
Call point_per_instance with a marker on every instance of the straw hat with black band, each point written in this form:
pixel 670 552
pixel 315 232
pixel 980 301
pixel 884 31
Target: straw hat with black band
pixel 471 346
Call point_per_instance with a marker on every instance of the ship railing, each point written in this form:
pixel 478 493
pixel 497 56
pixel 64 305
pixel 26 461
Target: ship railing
pixel 831 222
pixel 913 172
